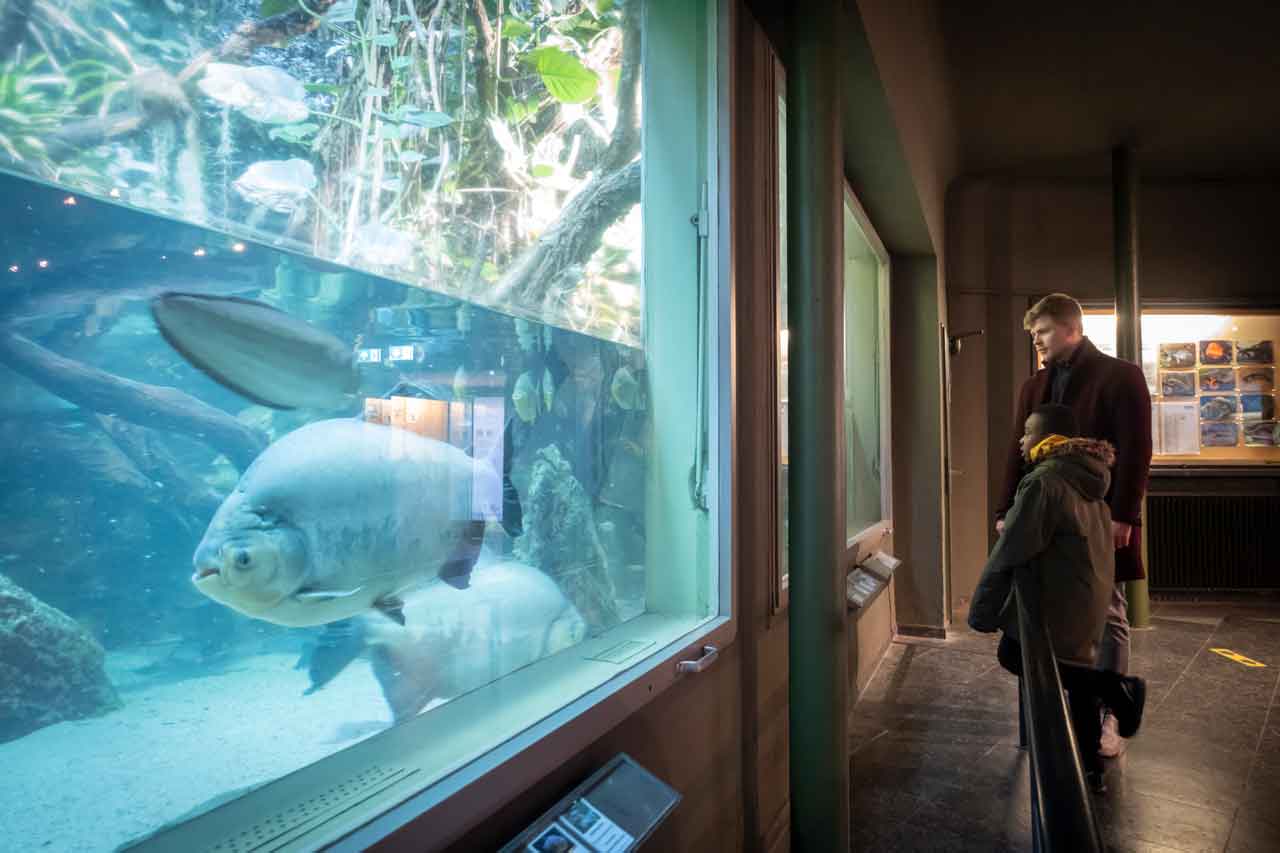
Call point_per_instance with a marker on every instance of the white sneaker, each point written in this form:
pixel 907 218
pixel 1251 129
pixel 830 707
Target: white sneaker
pixel 1112 745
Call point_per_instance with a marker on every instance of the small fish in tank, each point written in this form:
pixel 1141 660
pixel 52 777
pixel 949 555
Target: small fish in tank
pixel 1255 352
pixel 1216 352
pixel 1178 383
pixel 1219 434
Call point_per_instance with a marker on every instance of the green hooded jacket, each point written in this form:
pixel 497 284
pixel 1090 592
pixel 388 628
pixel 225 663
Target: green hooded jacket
pixel 1060 527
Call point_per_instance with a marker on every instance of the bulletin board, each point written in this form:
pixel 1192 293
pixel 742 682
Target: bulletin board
pixel 1212 378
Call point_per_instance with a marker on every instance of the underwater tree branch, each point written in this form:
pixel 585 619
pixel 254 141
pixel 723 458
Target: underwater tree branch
pixel 148 405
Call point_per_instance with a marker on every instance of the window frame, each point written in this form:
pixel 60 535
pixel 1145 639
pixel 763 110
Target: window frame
pixel 779 580
pixel 862 543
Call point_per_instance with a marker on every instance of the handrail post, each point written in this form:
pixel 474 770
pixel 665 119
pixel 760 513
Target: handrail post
pixel 1061 810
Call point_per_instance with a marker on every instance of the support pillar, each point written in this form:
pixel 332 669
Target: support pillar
pixel 818 647
pixel 1124 195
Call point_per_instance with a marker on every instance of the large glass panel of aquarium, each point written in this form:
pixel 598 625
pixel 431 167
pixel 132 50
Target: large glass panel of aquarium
pixel 486 151
pixel 865 272
pixel 294 535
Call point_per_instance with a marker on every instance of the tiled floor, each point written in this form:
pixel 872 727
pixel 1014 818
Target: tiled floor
pixel 936 764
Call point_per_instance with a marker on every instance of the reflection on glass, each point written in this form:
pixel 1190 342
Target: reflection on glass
pixel 1212 380
pixel 435 148
pixel 862 275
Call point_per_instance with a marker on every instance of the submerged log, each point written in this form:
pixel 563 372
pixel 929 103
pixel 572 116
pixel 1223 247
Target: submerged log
pixel 150 405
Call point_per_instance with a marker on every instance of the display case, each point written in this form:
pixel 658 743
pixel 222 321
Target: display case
pixel 1212 377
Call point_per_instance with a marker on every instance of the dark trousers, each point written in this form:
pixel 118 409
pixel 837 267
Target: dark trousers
pixel 1086 688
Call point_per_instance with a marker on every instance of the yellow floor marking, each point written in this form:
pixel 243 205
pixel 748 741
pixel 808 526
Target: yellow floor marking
pixel 1237 657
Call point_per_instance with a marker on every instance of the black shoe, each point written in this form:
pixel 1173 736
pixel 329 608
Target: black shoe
pixel 1096 781
pixel 1130 700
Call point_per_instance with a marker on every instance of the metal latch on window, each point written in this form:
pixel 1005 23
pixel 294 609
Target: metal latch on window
pixel 709 655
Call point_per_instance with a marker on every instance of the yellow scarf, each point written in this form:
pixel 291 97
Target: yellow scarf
pixel 1045 445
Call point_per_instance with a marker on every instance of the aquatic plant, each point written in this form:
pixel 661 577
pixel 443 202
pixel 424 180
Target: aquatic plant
pixel 484 149
pixel 33 104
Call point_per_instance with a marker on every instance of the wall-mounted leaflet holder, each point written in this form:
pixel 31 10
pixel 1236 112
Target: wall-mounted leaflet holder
pixel 869 578
pixel 613 811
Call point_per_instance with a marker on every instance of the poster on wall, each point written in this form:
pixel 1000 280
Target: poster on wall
pixel 1217 379
pixel 1258 407
pixel 1255 352
pixel 1219 407
pixel 1257 379
pixel 1177 355
pixel 1177 428
pixel 1262 434
pixel 1216 352
pixel 1180 383
pixel 1219 434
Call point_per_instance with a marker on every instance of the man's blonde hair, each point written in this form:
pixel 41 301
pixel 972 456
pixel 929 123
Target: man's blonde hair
pixel 1060 307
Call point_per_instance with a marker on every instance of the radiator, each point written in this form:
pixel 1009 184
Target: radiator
pixel 1212 542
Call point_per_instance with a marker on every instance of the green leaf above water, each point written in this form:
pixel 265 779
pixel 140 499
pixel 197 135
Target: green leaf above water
pixel 271 8
pixel 542 170
pixel 295 133
pixel 514 28
pixel 564 75
pixel 423 118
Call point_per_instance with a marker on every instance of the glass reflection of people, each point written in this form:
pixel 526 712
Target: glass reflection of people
pixel 1110 399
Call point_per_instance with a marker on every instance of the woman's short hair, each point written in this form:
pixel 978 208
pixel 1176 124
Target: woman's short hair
pixel 1058 306
pixel 1057 419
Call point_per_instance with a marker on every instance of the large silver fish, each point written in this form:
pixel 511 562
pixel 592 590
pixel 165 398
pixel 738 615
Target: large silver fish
pixel 455 641
pixel 262 353
pixel 342 516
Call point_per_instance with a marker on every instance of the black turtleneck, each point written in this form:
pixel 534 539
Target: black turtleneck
pixel 1062 375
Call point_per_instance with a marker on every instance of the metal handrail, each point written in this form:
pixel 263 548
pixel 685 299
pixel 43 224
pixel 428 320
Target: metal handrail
pixel 1062 816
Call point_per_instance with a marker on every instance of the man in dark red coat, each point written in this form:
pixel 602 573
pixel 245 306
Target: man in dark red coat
pixel 1111 402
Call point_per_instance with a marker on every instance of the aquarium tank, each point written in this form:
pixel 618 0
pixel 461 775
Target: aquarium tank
pixel 361 397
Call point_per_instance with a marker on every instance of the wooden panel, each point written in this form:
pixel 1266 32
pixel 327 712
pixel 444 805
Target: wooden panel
pixel 763 620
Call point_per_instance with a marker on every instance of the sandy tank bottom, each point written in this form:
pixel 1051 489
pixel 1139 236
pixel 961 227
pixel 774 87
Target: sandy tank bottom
pixel 92 785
